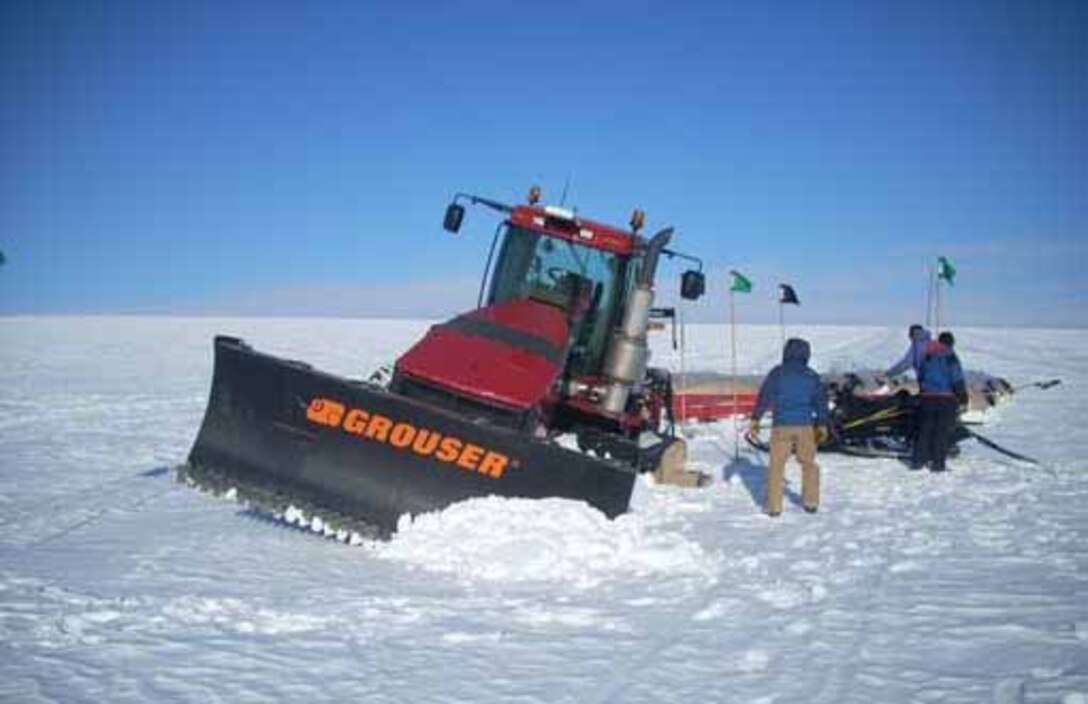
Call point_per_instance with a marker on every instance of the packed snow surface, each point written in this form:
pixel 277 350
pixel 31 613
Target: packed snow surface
pixel 116 584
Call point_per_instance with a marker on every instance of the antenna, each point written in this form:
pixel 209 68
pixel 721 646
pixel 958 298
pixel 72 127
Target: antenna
pixel 566 187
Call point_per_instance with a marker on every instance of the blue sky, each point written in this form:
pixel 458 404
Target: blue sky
pixel 295 158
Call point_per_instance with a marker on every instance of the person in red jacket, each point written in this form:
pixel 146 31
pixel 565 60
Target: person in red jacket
pixel 942 391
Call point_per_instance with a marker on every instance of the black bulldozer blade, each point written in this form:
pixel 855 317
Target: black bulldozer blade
pixel 357 450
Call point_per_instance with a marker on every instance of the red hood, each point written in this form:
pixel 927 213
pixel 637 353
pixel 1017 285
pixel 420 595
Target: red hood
pixel 509 354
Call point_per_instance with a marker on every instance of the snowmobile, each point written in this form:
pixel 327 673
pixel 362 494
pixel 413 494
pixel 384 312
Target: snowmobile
pixel 868 424
pixel 542 391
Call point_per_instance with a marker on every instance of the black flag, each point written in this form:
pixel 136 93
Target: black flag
pixel 786 294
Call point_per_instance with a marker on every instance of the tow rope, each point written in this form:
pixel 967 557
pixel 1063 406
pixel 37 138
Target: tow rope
pixel 1003 450
pixel 1044 385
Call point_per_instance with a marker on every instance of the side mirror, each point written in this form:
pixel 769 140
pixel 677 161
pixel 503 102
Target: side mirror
pixel 455 214
pixel 692 285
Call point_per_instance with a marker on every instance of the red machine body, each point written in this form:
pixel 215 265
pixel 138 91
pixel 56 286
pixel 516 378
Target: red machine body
pixel 537 352
pixel 562 224
pixel 509 354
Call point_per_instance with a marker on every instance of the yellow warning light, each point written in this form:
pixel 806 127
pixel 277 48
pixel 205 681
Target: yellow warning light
pixel 534 195
pixel 637 219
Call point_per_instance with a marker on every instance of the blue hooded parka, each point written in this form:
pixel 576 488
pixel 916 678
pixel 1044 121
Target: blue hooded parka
pixel 794 391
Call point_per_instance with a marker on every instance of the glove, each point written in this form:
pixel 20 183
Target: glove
pixel 961 398
pixel 823 434
pixel 753 430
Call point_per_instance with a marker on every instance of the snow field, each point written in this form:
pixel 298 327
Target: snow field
pixel 117 584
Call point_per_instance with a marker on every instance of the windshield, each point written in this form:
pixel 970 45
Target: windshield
pixel 566 274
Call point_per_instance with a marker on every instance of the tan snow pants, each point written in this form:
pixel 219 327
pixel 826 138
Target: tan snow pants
pixel 785 441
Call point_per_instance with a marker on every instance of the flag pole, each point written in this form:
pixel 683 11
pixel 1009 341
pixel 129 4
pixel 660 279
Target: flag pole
pixel 782 319
pixel 937 315
pixel 930 284
pixel 733 342
pixel 683 368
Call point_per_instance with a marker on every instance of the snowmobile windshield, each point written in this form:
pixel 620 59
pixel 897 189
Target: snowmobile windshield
pixel 566 274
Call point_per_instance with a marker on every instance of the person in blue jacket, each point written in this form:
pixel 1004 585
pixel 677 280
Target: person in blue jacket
pixel 942 391
pixel 919 339
pixel 799 400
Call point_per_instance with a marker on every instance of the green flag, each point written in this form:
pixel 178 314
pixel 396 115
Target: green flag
pixel 945 270
pixel 739 282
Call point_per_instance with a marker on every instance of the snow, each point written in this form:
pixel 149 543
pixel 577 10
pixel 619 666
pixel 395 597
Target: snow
pixel 552 540
pixel 116 584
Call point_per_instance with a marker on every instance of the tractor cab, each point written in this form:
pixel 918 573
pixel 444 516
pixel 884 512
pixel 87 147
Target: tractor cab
pixel 562 326
pixel 556 264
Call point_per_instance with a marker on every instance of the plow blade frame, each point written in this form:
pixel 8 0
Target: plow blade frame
pixel 284 426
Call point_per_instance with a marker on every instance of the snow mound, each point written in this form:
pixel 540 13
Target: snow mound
pixel 522 540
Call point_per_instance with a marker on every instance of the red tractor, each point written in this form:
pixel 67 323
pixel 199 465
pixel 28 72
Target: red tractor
pixel 543 390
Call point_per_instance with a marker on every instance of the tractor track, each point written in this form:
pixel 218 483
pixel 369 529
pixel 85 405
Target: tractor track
pixel 68 515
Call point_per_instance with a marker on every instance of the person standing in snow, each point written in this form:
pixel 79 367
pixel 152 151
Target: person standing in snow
pixel 799 400
pixel 942 391
pixel 919 338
